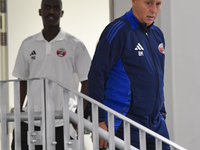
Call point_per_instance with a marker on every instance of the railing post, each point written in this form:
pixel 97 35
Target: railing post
pixel 3 115
pixel 80 123
pixel 50 116
pixel 31 143
pixel 43 125
pixel 111 129
pixel 66 121
pixel 142 135
pixel 17 119
pixel 95 126
pixel 158 144
pixel 127 135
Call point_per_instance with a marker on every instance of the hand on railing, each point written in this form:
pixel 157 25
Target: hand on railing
pixel 103 143
pixel 75 126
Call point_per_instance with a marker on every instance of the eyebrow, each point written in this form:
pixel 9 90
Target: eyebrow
pixel 53 5
pixel 154 1
pixel 151 1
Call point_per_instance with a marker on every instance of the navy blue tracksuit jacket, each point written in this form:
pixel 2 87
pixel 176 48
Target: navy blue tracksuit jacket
pixel 127 74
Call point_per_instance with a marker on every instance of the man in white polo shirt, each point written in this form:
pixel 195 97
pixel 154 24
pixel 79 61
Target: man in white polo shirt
pixel 55 54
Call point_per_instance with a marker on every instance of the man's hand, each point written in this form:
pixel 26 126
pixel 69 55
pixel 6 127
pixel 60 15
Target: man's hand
pixel 75 126
pixel 102 143
pixel 164 115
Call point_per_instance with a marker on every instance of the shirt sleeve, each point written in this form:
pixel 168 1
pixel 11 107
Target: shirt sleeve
pixel 108 52
pixel 82 61
pixel 21 67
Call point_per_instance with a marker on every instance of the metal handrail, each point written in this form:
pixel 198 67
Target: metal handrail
pixel 93 126
pixel 126 119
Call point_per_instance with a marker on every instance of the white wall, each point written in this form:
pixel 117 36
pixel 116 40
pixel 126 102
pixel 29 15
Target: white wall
pixel 83 19
pixel 121 7
pixel 183 34
pixel 166 26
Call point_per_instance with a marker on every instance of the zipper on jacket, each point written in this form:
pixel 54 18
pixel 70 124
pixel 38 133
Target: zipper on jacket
pixel 158 78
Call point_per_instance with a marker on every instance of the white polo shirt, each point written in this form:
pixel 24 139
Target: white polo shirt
pixel 64 59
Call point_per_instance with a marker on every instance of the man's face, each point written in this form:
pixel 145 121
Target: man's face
pixel 146 11
pixel 51 12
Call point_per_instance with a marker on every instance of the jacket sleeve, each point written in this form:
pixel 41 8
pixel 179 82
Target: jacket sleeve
pixel 108 52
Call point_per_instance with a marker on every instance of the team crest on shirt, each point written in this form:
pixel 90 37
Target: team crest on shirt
pixel 61 52
pixel 161 48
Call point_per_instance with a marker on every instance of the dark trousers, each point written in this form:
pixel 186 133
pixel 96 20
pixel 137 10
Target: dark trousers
pixel 24 143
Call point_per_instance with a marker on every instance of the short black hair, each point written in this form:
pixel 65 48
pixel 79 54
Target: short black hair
pixel 44 0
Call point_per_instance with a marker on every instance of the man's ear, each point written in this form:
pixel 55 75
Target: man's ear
pixel 62 12
pixel 40 14
pixel 133 2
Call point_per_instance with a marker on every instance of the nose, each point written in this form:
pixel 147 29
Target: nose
pixel 51 10
pixel 154 8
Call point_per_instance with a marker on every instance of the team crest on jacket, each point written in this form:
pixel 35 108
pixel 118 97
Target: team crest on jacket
pixel 161 48
pixel 61 52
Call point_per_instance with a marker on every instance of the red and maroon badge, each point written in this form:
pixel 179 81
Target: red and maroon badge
pixel 61 52
pixel 161 48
